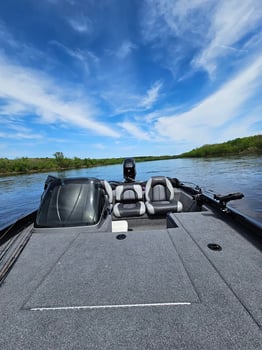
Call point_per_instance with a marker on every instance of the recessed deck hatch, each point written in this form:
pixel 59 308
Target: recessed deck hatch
pixel 101 270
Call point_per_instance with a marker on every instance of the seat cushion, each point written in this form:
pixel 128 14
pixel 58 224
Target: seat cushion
pixel 129 209
pixel 163 207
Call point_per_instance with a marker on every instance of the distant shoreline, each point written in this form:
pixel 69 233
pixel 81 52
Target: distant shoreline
pixel 246 146
pixel 41 165
pixel 240 146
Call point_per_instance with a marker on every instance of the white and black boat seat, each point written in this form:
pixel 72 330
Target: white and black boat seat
pixel 129 201
pixel 159 194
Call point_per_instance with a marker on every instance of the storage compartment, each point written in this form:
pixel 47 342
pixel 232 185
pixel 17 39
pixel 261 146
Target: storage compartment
pixel 189 204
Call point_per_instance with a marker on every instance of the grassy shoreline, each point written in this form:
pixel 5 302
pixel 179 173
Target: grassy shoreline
pixel 238 147
pixel 26 165
pixel 251 145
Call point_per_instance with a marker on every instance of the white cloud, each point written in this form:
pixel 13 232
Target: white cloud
pixel 81 24
pixel 165 112
pixel 174 18
pixel 231 21
pixel 99 146
pixel 207 30
pixel 125 49
pixel 21 51
pixel 175 29
pixel 38 93
pixel 134 130
pixel 12 108
pixel 20 135
pixel 124 98
pixel 85 57
pixel 202 122
pixel 6 36
pixel 151 95
pixel 230 48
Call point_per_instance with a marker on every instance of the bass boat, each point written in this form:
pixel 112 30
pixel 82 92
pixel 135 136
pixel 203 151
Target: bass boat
pixel 131 265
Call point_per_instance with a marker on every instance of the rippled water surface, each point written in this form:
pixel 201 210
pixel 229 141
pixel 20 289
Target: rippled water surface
pixel 21 194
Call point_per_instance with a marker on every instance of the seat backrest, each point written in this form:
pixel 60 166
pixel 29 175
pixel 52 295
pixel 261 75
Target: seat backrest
pixel 159 188
pixel 128 193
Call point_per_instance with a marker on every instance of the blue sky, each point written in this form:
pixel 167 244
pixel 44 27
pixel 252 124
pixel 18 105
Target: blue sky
pixel 116 78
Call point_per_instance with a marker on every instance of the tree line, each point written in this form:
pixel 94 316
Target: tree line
pixel 239 146
pixel 25 165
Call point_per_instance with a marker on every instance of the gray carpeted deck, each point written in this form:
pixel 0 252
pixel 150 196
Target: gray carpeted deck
pixel 156 289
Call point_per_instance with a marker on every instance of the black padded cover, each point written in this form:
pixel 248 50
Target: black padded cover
pixel 71 202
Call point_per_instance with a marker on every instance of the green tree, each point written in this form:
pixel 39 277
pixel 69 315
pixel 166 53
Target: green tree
pixel 59 157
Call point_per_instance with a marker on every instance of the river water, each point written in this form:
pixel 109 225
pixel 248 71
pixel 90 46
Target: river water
pixel 21 194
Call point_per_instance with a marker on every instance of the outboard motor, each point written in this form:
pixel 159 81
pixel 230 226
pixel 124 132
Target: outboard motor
pixel 129 169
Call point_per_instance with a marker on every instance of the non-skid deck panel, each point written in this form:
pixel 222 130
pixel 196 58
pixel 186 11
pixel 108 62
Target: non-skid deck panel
pixel 215 320
pixel 193 327
pixel 146 223
pixel 239 263
pixel 100 270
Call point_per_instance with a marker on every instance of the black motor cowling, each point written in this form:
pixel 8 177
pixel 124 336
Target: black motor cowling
pixel 129 169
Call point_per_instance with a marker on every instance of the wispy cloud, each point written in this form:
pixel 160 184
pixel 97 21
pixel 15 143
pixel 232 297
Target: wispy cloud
pixel 151 95
pixel 20 135
pixel 6 37
pixel 175 29
pixel 125 49
pixel 125 99
pixel 99 146
pixel 231 22
pixel 202 122
pixel 174 18
pixel 10 108
pixel 82 55
pixel 85 57
pixel 202 29
pixel 23 52
pixel 232 48
pixel 81 24
pixel 37 92
pixel 134 130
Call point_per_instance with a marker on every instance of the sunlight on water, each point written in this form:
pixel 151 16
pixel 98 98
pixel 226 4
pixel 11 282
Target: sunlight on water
pixel 21 194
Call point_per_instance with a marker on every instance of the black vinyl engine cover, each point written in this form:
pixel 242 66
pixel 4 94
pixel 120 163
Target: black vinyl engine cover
pixel 71 202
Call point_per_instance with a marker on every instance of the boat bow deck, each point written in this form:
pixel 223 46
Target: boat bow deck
pixel 155 289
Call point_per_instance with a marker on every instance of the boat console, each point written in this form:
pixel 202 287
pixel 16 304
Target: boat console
pixel 91 204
